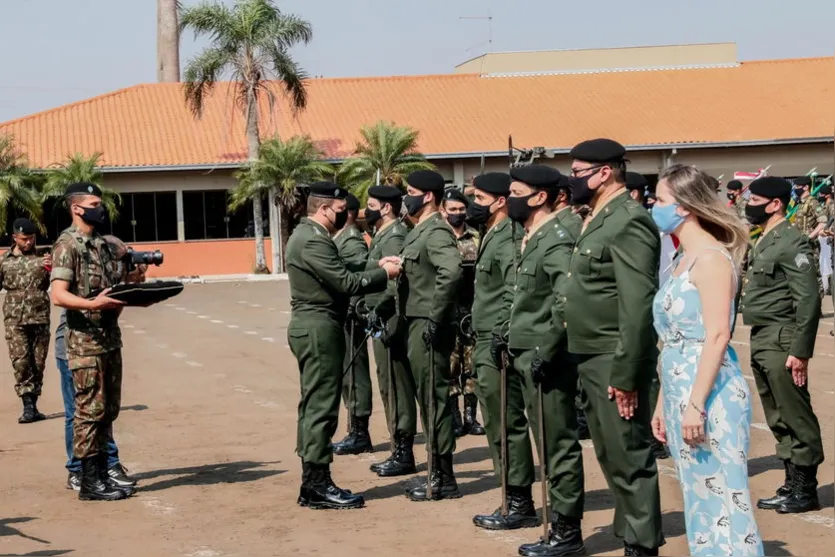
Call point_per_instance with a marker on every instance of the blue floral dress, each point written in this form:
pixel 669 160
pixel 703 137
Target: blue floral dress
pixel 713 476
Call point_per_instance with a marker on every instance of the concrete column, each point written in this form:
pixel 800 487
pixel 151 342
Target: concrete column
pixel 458 173
pixel 275 236
pixel 181 223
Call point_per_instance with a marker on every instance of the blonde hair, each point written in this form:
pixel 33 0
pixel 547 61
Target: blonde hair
pixel 694 190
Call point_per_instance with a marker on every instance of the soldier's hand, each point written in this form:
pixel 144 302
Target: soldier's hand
pixel 103 302
pixel 627 402
pixel 47 260
pixel 498 346
pixel 539 369
pixel 392 269
pixel 799 368
pixel 431 334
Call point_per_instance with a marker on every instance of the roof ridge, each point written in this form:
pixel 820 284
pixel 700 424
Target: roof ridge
pixel 789 60
pixel 73 104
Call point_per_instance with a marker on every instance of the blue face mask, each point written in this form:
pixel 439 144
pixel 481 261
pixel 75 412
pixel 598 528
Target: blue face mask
pixel 666 217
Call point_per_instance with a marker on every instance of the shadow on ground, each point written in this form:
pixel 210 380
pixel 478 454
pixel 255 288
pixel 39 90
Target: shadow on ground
pixel 6 529
pixel 826 494
pixel 209 474
pixel 760 465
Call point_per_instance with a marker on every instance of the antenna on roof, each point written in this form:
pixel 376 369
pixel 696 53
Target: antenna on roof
pixel 489 19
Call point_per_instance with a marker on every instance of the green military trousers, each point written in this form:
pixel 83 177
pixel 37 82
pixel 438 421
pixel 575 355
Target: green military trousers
pixel 788 408
pixel 405 408
pixel 623 450
pixel 563 453
pixel 419 363
pixel 319 347
pixel 520 470
pixel 356 385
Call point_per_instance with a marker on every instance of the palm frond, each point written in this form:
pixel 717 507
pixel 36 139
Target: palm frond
pixel 79 168
pixel 212 19
pixel 202 72
pixel 18 184
pixel 389 149
pixel 289 73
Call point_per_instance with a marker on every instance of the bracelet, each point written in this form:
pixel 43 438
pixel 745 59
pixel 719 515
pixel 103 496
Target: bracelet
pixel 701 412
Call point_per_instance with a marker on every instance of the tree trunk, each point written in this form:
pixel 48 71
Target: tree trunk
pixel 168 42
pixel 253 144
pixel 286 217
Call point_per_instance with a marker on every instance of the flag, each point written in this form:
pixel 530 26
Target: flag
pixel 750 176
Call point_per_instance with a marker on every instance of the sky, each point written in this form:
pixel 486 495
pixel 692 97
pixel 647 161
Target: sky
pixel 54 52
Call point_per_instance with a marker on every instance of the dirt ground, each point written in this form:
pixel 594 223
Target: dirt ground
pixel 208 425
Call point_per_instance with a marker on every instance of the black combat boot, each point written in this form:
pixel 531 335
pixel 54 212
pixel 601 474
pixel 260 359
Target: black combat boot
pixel 565 538
pixel 783 492
pixel 629 549
pixel 358 440
pixel 582 425
pixel 443 481
pixel 402 460
pixel 659 449
pixel 105 476
pixel 471 425
pixel 457 423
pixel 804 495
pixel 28 415
pixel 521 512
pixel 323 493
pixel 304 490
pixel 93 488
pixel 38 415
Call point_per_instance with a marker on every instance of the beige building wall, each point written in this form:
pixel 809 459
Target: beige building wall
pixel 785 160
pixel 600 59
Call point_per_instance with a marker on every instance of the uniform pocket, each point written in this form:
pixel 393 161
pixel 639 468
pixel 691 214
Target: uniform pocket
pixel 763 273
pixel 526 276
pixel 590 260
pixel 410 261
pixel 295 337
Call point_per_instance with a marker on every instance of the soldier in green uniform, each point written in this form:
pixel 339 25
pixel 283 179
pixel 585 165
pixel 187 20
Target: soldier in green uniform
pixel 381 215
pixel 83 263
pixel 356 385
pixel 810 220
pixel 494 283
pixel 320 291
pixel 610 288
pixel 829 234
pixel 454 209
pixel 780 302
pixel 737 199
pixel 25 278
pixel 537 349
pixel 427 293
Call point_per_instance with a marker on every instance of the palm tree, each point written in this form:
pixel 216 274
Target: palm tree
pixel 168 41
pixel 387 148
pixel 78 168
pixel 17 184
pixel 281 167
pixel 251 42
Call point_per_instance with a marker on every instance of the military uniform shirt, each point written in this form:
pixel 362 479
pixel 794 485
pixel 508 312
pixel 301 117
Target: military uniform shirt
pixel 781 286
pixel 26 282
pixel 495 277
pixel 809 215
pixel 352 248
pixel 570 221
pixel 388 241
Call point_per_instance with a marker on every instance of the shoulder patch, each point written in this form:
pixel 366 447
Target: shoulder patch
pixel 802 262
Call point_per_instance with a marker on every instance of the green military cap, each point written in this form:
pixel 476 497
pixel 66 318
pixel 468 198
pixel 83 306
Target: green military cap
pixel 386 194
pixel 454 194
pixel 537 176
pixel 328 190
pixel 734 185
pixel 24 226
pixel 635 181
pixel 802 181
pixel 426 180
pixel 353 203
pixel 771 187
pixel 84 188
pixel 598 150
pixel 494 183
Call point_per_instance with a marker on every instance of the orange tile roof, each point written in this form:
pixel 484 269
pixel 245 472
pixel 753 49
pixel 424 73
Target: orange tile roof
pixel 149 125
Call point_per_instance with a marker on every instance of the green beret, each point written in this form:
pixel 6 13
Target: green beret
pixel 328 190
pixel 598 150
pixel 537 176
pixel 84 188
pixel 24 226
pixel 734 185
pixel 386 194
pixel 353 203
pixel 494 183
pixel 635 181
pixel 771 187
pixel 426 180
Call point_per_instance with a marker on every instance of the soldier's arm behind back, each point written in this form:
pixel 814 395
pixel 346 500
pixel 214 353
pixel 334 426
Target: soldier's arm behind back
pixel 443 254
pixel 322 258
pixel 798 263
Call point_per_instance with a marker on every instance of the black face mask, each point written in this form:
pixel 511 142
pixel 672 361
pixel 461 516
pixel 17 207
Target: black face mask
pixel 413 203
pixel 581 193
pixel 731 196
pixel 341 219
pixel 456 220
pixel 518 209
pixel 372 217
pixel 94 215
pixel 478 215
pixel 756 213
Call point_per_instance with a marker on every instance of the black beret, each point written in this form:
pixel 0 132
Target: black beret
pixel 565 183
pixel 802 181
pixel 24 226
pixel 494 183
pixel 426 180
pixel 328 190
pixel 454 194
pixel 353 203
pixel 598 150
pixel 635 181
pixel 825 190
pixel 652 195
pixel 771 187
pixel 734 185
pixel 386 194
pixel 85 188
pixel 537 176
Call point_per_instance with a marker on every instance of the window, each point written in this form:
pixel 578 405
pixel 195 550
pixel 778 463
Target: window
pixel 147 217
pixel 207 217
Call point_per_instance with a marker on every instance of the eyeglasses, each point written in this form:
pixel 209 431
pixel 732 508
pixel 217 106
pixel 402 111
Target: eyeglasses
pixel 577 171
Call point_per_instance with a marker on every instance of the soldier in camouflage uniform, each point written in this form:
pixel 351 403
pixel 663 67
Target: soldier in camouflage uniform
pixel 737 199
pixel 810 220
pixel 24 276
pixel 461 364
pixel 83 265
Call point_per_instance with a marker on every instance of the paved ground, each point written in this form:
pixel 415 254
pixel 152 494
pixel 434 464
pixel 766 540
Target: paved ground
pixel 207 426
